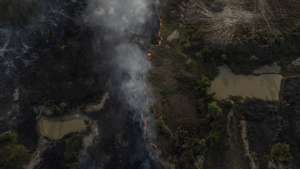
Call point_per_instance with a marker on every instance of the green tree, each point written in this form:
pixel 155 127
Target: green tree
pixel 9 137
pixel 215 137
pixel 214 109
pixel 202 85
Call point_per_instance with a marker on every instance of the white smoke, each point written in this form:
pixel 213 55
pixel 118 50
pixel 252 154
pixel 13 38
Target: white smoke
pixel 131 59
pixel 126 20
pixel 121 16
pixel 126 26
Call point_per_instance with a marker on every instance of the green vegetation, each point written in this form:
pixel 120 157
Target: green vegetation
pixel 215 138
pixel 214 109
pixel 8 138
pixel 202 85
pixel 163 128
pixel 280 152
pixel 189 72
pixel 53 109
pixel 12 154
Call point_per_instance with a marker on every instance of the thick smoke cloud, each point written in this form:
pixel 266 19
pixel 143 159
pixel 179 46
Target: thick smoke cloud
pixel 131 59
pixel 124 28
pixel 126 20
pixel 121 16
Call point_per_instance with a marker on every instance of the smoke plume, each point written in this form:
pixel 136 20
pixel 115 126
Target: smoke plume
pixel 126 21
pixel 127 34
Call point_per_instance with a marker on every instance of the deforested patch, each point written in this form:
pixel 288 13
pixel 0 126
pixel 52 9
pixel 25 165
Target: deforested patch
pixel 265 86
pixel 231 21
pixel 57 128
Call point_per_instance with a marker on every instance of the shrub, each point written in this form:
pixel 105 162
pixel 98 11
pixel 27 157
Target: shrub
pixel 280 152
pixel 215 139
pixel 214 109
pixel 202 85
pixel 163 127
pixel 9 137
pixel 12 154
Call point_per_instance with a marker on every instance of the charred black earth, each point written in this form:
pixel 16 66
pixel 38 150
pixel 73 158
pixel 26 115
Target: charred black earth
pixel 53 64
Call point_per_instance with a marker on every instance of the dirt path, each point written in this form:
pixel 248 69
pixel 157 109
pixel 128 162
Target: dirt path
pixel 235 155
pixel 36 158
pixel 244 137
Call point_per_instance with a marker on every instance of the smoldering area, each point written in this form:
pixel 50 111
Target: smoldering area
pixel 72 52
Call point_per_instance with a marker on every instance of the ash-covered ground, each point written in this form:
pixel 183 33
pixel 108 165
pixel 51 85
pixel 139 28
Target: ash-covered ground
pixel 58 60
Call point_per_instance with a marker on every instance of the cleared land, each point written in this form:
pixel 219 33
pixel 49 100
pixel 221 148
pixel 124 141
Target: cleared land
pixel 56 129
pixel 265 87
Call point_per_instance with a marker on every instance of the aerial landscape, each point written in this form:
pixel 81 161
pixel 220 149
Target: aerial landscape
pixel 149 84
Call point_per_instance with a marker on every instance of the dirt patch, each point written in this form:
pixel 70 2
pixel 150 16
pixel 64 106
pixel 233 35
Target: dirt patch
pixel 57 128
pixel 265 87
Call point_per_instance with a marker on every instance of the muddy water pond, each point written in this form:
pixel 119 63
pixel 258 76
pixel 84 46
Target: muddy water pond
pixel 57 128
pixel 265 86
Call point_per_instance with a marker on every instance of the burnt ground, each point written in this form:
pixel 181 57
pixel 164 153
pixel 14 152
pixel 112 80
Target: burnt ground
pixel 290 112
pixel 61 50
pixel 58 61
